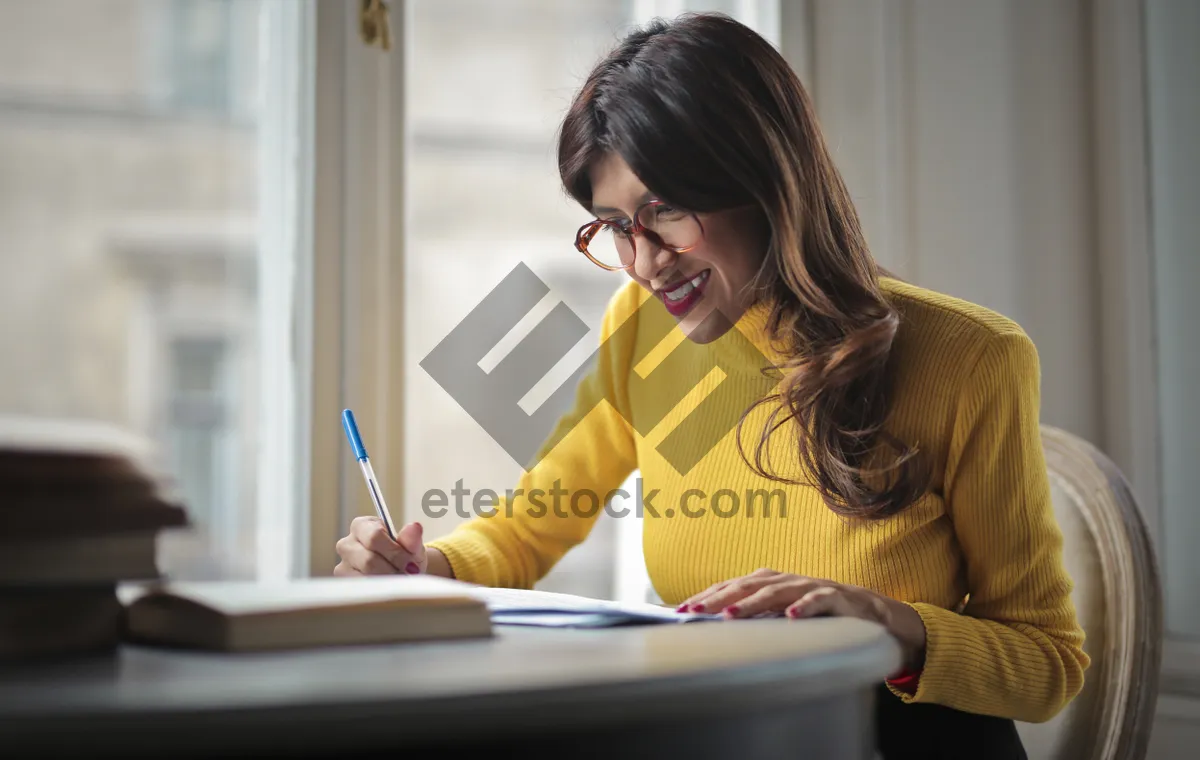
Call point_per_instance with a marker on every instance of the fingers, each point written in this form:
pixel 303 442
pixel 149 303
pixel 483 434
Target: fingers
pixel 774 597
pixel 363 560
pixel 411 538
pixel 695 598
pixel 765 592
pixel 370 551
pixel 372 535
pixel 734 591
pixel 342 570
pixel 827 600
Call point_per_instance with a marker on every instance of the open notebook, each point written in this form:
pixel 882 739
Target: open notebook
pixel 548 609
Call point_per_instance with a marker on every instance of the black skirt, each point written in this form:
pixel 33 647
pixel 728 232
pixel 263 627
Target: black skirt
pixel 935 732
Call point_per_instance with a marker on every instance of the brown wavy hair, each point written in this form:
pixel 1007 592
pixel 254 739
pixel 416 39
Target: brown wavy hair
pixel 711 117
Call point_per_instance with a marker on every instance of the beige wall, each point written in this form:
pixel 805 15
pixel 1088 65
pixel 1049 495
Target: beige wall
pixel 963 130
pixel 997 152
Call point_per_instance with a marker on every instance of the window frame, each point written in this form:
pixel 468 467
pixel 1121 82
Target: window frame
pixel 285 305
pixel 353 338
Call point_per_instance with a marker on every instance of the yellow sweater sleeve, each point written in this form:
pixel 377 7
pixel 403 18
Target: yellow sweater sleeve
pixel 1016 650
pixel 590 453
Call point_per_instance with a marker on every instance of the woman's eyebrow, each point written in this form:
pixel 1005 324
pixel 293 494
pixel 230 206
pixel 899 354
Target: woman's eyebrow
pixel 600 210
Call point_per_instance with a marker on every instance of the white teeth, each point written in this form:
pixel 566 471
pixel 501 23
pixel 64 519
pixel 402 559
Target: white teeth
pixel 678 294
pixel 681 292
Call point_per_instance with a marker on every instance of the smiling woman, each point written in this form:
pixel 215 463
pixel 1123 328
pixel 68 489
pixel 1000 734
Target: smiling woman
pixel 900 424
pixel 720 250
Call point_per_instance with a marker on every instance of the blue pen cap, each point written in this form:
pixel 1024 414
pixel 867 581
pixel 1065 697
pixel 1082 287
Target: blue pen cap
pixel 360 451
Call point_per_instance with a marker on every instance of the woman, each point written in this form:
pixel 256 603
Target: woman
pixel 896 429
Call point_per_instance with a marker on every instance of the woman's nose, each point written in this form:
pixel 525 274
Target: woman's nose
pixel 651 259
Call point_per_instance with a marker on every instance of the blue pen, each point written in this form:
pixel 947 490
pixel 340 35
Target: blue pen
pixel 360 452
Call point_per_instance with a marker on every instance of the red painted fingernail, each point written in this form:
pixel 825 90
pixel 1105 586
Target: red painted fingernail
pixel 412 568
pixel 697 608
pixel 793 613
pixel 731 610
pixel 681 608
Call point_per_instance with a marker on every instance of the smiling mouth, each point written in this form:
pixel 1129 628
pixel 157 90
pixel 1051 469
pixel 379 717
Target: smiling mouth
pixel 682 295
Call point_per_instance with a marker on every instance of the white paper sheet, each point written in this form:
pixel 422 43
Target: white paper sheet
pixel 509 605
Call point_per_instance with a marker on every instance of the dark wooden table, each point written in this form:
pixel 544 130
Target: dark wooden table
pixel 745 689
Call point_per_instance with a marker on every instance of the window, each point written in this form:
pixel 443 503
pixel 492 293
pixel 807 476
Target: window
pixel 487 85
pixel 200 52
pixel 130 284
pixel 198 421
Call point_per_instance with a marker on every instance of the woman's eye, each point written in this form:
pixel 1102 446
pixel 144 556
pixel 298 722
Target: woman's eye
pixel 664 211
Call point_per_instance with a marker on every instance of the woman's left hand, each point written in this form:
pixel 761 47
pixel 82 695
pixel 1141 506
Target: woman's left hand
pixel 798 596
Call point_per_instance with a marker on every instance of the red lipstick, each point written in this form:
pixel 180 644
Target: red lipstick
pixel 681 296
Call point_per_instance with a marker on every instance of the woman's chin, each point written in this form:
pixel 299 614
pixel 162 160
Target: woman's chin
pixel 704 323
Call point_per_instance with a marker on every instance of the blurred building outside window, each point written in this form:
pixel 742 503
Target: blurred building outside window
pixel 201 46
pixel 133 149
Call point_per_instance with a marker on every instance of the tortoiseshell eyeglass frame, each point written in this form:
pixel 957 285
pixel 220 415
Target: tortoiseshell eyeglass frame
pixel 589 231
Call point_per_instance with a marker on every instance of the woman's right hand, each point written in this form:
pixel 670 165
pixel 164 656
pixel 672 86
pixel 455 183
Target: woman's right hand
pixel 367 550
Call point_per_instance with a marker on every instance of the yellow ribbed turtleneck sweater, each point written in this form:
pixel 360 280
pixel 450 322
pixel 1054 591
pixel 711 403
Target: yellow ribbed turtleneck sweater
pixel 966 393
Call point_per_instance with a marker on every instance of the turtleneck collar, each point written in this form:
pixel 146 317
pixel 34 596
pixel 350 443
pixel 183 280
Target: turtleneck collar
pixel 753 325
pixel 747 342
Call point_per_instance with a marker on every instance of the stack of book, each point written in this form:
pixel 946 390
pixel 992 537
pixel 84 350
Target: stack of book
pixel 80 510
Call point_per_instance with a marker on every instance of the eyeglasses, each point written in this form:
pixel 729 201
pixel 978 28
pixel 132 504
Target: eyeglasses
pixel 612 244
